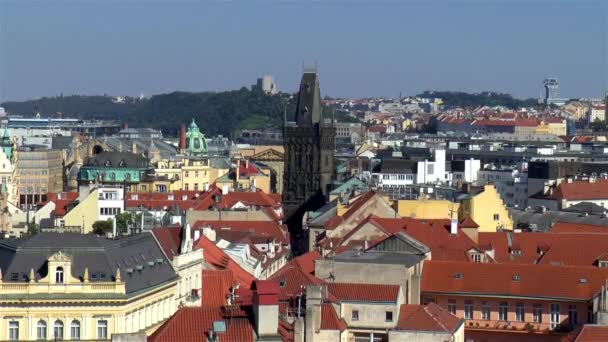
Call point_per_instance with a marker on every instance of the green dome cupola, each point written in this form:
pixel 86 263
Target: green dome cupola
pixel 195 140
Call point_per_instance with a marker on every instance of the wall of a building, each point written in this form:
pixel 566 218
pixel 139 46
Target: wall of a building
pixel 482 208
pixel 84 214
pixel 427 209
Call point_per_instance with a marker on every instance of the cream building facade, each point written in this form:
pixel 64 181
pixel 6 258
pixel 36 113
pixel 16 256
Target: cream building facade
pixel 82 287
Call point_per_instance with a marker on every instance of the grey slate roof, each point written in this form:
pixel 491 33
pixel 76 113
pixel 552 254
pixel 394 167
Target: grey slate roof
pixel 118 159
pixel 402 166
pixel 101 256
pixel 544 221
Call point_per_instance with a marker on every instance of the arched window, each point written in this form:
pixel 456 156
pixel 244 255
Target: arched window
pixel 128 177
pixel 58 330
pixel 112 176
pixel 75 330
pixel 41 330
pixel 59 275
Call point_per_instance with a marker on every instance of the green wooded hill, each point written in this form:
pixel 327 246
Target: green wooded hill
pixel 215 112
pixel 469 100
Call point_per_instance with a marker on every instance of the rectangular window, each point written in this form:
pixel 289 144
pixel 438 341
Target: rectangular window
pixel 555 319
pixel 389 316
pixel 452 306
pixel 468 309
pixel 572 315
pixel 503 308
pixel 13 330
pixel 496 217
pixel 519 312
pixel 485 311
pixel 355 315
pixel 102 329
pixel 590 319
pixel 477 257
pixel 430 169
pixel 538 313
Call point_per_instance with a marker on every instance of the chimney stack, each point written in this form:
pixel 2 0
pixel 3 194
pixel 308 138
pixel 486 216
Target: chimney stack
pixel 314 297
pixel 453 226
pixel 182 138
pixel 266 308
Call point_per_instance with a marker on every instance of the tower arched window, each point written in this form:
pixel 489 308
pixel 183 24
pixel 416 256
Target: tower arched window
pixel 59 275
pixel 112 176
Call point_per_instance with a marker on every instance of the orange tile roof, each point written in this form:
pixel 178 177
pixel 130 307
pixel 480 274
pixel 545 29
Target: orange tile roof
pixel 592 333
pixel 580 190
pixel 330 319
pixel 220 260
pixel 427 318
pixel 169 239
pixel 194 324
pixel 566 227
pixel 540 281
pixel 261 228
pixel 216 286
pixel 557 248
pixel 364 292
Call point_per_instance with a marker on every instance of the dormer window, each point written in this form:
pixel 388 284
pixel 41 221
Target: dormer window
pixel 59 275
pixel 476 257
pixel 108 163
pixel 602 263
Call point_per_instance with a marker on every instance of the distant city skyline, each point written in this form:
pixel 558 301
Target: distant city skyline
pixel 363 49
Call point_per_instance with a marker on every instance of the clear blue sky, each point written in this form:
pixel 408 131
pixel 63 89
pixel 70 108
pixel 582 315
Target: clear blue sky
pixel 363 48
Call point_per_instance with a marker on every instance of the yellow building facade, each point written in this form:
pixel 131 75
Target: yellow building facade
pixel 86 288
pixel 190 173
pixel 487 209
pixel 428 209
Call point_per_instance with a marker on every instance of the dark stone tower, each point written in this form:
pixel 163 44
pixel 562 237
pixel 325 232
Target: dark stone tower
pixel 309 154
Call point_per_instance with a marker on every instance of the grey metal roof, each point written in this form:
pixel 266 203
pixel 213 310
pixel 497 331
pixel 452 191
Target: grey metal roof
pixel 544 221
pixel 353 256
pixel 100 255
pixel 118 159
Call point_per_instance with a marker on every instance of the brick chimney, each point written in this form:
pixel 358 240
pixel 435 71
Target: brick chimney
pixel 266 308
pixel 182 138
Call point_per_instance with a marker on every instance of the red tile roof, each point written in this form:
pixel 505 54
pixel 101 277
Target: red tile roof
pixel 364 292
pixel 62 200
pixel 194 323
pixel 541 281
pixel 468 222
pixel 565 227
pixel 579 190
pixel 220 260
pixel 216 286
pixel 330 319
pixel 427 318
pixel 258 198
pixel 294 276
pixel 592 333
pixel 169 239
pixel 184 200
pixel 557 248
pixel 435 234
pixel 270 229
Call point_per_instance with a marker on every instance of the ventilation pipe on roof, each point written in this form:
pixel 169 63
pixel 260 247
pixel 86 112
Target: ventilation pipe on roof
pixel 453 226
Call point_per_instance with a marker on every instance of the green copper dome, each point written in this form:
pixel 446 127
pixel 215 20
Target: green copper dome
pixel 195 140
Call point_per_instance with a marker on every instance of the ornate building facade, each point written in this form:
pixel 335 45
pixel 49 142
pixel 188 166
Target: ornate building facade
pixel 309 153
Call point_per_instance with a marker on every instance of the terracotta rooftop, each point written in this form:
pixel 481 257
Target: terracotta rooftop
pixel 330 319
pixel 427 318
pixel 195 323
pixel 269 229
pixel 352 292
pixel 220 260
pixel 494 279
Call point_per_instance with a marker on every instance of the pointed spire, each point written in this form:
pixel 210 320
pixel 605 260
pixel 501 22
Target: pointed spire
pixel 118 280
pixel 85 277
